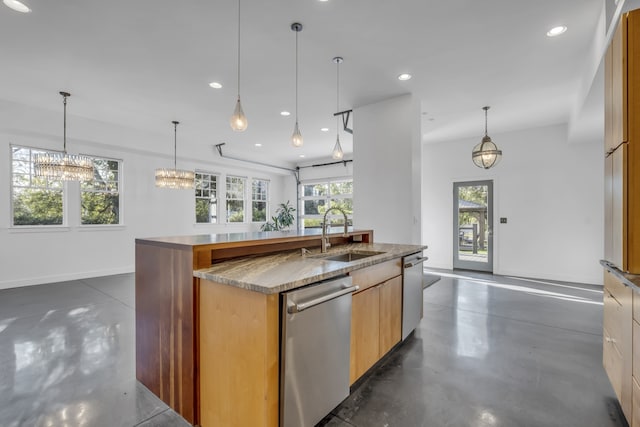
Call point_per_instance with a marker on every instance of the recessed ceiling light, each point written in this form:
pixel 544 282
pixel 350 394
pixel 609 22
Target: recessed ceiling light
pixel 301 155
pixel 324 129
pixel 404 76
pixel 17 6
pixel 215 85
pixel 556 31
pixel 285 113
pixel 323 1
pixel 258 144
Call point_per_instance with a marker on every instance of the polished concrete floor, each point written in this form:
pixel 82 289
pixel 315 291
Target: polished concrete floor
pixel 490 351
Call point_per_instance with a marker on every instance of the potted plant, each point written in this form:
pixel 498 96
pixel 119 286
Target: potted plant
pixel 283 220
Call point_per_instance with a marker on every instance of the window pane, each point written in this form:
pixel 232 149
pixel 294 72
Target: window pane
pixel 35 200
pixel 311 223
pixel 259 211
pixel 33 206
pixel 206 198
pixel 344 204
pixel 100 208
pixel 315 190
pixel 235 211
pixel 100 198
pixel 342 187
pixel 314 207
pixel 235 188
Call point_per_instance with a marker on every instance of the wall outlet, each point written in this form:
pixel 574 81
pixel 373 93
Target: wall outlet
pixel 503 220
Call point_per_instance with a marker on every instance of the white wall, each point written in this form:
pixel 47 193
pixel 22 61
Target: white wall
pixel 387 170
pixel 36 255
pixel 551 193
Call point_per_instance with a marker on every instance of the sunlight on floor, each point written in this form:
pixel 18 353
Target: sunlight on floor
pixel 529 290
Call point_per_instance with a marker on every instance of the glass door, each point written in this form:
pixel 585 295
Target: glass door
pixel 472 225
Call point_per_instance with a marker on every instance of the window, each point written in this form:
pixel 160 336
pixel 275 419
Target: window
pixel 259 200
pixel 34 200
pixel 100 198
pixel 235 198
pixel 317 197
pixel 206 198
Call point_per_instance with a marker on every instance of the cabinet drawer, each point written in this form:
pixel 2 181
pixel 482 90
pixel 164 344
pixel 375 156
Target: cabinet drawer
pixel 376 274
pixel 613 365
pixel 613 318
pixel 615 287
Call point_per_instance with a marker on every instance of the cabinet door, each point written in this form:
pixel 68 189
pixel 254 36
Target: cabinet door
pixel 618 48
pixel 365 332
pixel 618 197
pixel 390 314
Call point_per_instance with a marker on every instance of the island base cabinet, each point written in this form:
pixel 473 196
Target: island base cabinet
pixel 238 356
pixel 365 332
pixel 390 314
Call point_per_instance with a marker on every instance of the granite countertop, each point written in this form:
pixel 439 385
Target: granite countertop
pixel 287 270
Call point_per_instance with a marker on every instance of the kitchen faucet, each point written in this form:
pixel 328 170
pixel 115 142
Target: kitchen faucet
pixel 325 239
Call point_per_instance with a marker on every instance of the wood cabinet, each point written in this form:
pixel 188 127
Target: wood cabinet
pixel 621 333
pixel 376 315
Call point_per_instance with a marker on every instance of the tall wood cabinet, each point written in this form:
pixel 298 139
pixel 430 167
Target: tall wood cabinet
pixel 621 360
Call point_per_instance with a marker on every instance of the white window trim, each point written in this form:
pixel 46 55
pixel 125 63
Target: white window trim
pixel 219 191
pixel 268 201
pixel 328 198
pixel 244 200
pixel 121 209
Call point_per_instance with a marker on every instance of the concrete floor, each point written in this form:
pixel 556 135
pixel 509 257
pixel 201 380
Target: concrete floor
pixel 490 351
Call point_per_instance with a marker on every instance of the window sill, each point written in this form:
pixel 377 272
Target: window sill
pixel 101 227
pixel 38 228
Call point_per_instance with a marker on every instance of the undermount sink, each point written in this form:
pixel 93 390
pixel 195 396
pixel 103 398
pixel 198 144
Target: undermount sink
pixel 347 256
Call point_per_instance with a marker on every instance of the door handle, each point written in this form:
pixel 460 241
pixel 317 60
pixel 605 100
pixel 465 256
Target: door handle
pixel 297 308
pixel 416 262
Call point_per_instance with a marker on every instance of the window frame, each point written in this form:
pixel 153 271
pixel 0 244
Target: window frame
pixel 266 200
pixel 217 196
pixel 243 200
pixel 119 192
pixel 327 198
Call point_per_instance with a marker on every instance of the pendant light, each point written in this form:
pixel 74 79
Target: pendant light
pixel 238 119
pixel 175 178
pixel 63 166
pixel 337 153
pixel 486 154
pixel 296 137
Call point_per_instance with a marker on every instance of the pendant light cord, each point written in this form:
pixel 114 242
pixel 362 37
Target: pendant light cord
pixel 238 49
pixel 338 96
pixel 486 109
pixel 175 144
pixel 64 131
pixel 297 76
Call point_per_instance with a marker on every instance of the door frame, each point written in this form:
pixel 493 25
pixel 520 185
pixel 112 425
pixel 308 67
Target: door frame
pixel 473 265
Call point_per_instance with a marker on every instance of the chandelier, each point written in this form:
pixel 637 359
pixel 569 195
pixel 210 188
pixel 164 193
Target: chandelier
pixel 486 154
pixel 175 179
pixel 63 166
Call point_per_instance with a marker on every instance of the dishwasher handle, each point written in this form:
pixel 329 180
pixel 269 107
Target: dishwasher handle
pixel 297 308
pixel 415 262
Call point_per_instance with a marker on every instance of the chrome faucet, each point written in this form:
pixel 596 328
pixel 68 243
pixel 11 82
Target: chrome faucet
pixel 325 239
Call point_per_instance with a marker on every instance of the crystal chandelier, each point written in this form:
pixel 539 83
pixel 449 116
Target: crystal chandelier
pixel 175 178
pixel 63 166
pixel 486 154
pixel 337 152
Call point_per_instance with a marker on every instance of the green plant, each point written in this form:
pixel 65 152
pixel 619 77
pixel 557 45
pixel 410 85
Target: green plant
pixel 283 220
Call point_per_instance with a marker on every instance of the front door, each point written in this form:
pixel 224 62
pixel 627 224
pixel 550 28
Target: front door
pixel 472 222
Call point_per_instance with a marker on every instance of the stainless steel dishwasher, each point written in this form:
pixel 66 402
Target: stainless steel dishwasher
pixel 316 340
pixel 411 292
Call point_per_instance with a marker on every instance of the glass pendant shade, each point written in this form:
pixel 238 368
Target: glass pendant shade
pixel 175 179
pixel 238 120
pixel 296 137
pixel 63 166
pixel 486 154
pixel 337 153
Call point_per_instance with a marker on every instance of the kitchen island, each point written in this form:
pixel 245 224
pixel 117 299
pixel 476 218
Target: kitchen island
pixel 208 315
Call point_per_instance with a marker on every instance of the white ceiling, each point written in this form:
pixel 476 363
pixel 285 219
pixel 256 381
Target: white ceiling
pixel 141 64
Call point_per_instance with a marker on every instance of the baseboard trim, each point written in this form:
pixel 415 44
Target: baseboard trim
pixel 31 281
